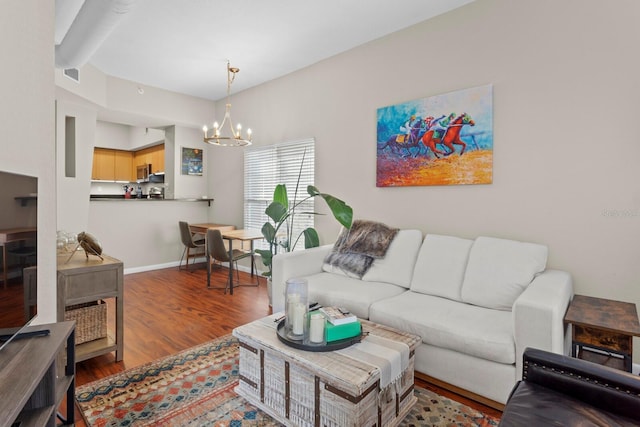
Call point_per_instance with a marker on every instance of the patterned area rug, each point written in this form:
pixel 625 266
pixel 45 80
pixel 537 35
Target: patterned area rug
pixel 195 388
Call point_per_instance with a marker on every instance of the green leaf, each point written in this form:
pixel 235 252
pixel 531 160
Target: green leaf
pixel 313 191
pixel 311 239
pixel 266 260
pixel 266 256
pixel 342 212
pixel 276 211
pixel 269 232
pixel 280 196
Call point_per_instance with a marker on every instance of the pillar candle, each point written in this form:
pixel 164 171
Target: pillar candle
pixel 292 300
pixel 316 328
pixel 297 324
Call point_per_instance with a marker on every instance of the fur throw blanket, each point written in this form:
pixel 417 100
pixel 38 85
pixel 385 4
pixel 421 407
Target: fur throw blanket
pixel 357 247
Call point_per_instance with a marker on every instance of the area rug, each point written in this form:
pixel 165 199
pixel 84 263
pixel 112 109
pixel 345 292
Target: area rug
pixel 195 388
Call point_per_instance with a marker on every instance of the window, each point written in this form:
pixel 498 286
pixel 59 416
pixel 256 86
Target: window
pixel 264 168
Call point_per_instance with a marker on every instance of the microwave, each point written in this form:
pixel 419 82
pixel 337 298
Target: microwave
pixel 142 172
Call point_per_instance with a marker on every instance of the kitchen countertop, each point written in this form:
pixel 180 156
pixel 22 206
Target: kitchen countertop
pixel 119 197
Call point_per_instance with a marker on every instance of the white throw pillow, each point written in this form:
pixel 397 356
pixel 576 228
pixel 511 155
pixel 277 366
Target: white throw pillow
pixel 499 270
pixel 441 265
pixel 397 265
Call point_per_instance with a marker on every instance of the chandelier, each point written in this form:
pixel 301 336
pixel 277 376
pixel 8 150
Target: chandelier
pixel 233 137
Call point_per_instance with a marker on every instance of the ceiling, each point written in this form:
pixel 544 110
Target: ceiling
pixel 183 45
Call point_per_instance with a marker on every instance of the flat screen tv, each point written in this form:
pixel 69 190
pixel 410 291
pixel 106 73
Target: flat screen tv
pixel 18 243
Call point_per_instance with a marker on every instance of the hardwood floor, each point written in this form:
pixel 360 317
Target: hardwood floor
pixel 169 310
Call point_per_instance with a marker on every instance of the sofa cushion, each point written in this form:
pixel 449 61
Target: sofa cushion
pixel 469 329
pixel 397 265
pixel 440 266
pixel 499 270
pixel 353 294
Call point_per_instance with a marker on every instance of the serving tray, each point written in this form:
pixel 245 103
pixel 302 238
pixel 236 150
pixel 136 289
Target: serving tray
pixel 331 346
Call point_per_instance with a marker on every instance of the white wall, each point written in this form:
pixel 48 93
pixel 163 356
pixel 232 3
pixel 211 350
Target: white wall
pixel 27 123
pixel 112 135
pixel 566 89
pixel 73 192
pixel 142 137
pixel 124 137
pixel 143 234
pixel 187 186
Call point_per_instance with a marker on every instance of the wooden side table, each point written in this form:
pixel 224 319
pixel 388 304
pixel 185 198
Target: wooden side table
pixel 603 325
pixel 82 280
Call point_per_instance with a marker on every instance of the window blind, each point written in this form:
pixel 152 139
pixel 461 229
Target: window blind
pixel 267 166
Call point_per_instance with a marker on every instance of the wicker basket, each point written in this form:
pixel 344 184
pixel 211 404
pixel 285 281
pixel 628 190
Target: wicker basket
pixel 91 320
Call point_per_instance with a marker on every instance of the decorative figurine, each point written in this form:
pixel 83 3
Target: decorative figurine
pixel 90 245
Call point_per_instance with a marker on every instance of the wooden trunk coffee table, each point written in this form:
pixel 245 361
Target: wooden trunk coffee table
pixel 303 388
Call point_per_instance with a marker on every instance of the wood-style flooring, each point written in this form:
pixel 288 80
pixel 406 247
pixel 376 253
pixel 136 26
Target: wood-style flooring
pixel 169 310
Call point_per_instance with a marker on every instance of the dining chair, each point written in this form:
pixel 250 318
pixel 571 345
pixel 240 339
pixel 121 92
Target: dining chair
pixel 189 243
pixel 218 252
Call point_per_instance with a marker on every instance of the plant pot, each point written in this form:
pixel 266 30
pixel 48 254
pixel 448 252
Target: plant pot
pixel 269 287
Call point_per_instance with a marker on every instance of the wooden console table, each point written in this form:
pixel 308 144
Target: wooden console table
pixel 35 377
pixel 603 325
pixel 83 280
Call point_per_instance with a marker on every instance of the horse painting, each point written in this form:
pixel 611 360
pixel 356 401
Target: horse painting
pixel 450 138
pixel 400 141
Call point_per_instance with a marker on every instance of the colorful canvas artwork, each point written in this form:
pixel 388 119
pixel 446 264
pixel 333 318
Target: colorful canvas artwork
pixel 440 140
pixel 191 161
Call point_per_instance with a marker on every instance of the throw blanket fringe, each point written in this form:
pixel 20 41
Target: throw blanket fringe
pixel 357 247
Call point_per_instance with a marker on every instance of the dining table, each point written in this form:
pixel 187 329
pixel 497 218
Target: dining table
pixel 202 228
pixel 248 235
pixel 14 235
pixel 229 233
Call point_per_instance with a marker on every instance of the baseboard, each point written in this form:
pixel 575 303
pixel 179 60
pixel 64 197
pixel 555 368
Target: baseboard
pixel 142 269
pixel 462 392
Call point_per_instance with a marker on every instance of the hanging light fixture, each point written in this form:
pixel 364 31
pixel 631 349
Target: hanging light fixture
pixel 218 136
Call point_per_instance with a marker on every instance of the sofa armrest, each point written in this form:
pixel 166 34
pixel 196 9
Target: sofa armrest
pixel 538 314
pixel 294 264
pixel 599 386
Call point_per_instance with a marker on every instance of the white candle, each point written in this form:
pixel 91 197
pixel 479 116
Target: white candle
pixel 297 326
pixel 316 328
pixel 292 301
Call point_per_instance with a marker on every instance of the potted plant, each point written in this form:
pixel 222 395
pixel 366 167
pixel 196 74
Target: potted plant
pixel 278 230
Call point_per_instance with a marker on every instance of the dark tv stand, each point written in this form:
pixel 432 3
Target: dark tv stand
pixel 36 373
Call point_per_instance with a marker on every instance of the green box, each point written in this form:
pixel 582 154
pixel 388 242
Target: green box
pixel 340 332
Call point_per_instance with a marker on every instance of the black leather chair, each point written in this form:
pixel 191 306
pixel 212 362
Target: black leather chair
pixel 563 391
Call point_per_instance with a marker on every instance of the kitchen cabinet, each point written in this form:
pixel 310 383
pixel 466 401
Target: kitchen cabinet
pixel 112 165
pixel 124 166
pixel 151 155
pixel 157 159
pixel 103 164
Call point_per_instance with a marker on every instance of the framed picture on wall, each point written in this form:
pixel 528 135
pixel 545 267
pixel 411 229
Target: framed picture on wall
pixel 191 161
pixel 444 139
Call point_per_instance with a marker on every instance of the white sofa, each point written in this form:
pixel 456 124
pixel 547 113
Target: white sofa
pixel 477 304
